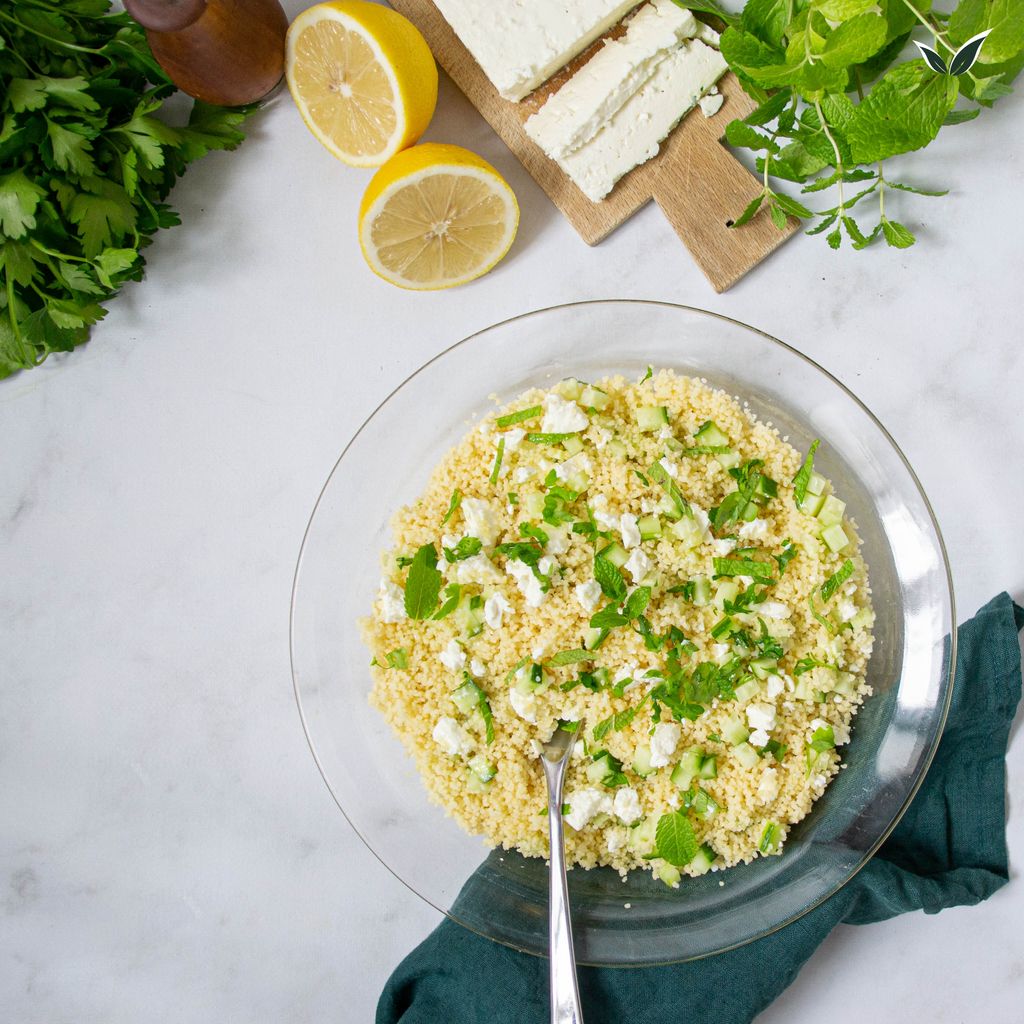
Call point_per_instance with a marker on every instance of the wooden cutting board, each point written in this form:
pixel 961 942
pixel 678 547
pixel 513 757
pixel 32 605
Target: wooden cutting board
pixel 699 186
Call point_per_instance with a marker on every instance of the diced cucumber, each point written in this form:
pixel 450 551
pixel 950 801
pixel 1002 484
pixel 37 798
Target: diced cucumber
pixel 534 503
pixel 708 768
pixel 570 388
pixel 593 398
pixel 748 690
pixel 466 697
pixel 642 762
pixel 650 527
pixel 831 511
pixel 803 689
pixel 599 819
pixel 573 445
pixel 820 696
pixel 846 684
pixel 730 460
pixel 864 619
pixel 702 861
pixel 701 591
pixel 746 755
pixel 590 636
pixel 617 448
pixel 664 506
pixel 642 834
pixel 734 731
pixel 771 836
pixel 673 444
pixel 764 667
pixel 710 436
pixel 651 417
pixel 835 537
pixel 689 765
pixel 812 503
pixel 596 772
pixel 578 482
pixel 766 488
pixel 686 531
pixel 617 555
pixel 482 768
pixel 533 680
pixel 469 615
pixel 816 484
pixel 474 785
pixel 668 874
pixel 705 806
pixel 728 590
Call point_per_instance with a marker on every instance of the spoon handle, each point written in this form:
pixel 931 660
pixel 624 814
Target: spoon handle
pixel 565 994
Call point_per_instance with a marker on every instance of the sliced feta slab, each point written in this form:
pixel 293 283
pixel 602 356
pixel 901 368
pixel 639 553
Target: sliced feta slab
pixel 635 133
pixel 521 43
pixel 577 112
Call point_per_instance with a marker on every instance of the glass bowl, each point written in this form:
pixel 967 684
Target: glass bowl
pixel 501 894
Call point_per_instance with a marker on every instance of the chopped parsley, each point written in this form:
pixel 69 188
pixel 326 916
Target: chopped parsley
pixel 517 417
pixel 398 658
pixel 789 552
pixel 466 548
pixel 529 530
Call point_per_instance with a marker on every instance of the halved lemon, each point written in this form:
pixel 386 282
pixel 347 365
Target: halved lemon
pixel 363 78
pixel 435 216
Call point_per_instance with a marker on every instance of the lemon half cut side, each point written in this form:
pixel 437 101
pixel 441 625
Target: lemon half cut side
pixel 435 216
pixel 363 78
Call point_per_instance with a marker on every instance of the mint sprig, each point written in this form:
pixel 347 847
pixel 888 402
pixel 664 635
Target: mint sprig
pixel 423 584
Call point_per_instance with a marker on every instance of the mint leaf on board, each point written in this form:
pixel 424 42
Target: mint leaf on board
pixel 674 838
pixel 423 584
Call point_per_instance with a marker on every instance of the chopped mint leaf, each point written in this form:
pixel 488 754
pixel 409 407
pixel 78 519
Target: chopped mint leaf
pixel 789 552
pixel 821 618
pixel 423 584
pixel 649 375
pixel 661 476
pixel 760 571
pixel 513 499
pixel 708 449
pixel 570 657
pixel 642 478
pixel 469 686
pixel 528 530
pixel 497 461
pixel 403 561
pixel 466 548
pixel 527 553
pixel 835 581
pixel 637 602
pixel 803 476
pixel 548 439
pixel 714 738
pixel 744 602
pixel 776 749
pixel 453 505
pixel 517 417
pixel 451 594
pixel 615 723
pixel 686 589
pixel 675 839
pixel 608 618
pixel 398 658
pixel 810 662
pixel 822 740
pixel 515 668
pixel 613 584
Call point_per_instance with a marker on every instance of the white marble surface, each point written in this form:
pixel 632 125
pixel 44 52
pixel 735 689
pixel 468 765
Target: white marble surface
pixel 168 851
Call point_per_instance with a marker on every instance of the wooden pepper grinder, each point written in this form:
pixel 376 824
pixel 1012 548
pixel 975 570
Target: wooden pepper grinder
pixel 224 52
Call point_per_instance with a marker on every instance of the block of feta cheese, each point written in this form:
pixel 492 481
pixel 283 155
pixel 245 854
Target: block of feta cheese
pixel 578 111
pixel 521 43
pixel 636 131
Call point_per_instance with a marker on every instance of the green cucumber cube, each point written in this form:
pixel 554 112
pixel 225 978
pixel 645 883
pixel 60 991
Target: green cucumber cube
pixel 748 690
pixel 728 590
pixel 710 436
pixel 617 448
pixel 570 388
pixel 816 484
pixel 650 527
pixel 686 531
pixel 728 461
pixel 835 538
pixel 689 765
pixel 702 861
pixel 573 445
pixel 734 731
pixel 701 591
pixel 811 505
pixel 746 755
pixel 642 762
pixel 617 555
pixel 831 511
pixel 593 398
pixel 651 417
pixel 668 874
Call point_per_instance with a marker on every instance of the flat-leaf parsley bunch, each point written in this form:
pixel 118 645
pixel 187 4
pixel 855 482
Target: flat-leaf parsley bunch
pixel 84 167
pixel 835 106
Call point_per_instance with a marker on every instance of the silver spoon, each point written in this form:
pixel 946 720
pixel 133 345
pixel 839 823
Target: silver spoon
pixel 565 994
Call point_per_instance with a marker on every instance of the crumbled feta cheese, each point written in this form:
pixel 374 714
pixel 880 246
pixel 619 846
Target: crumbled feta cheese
pixel 629 530
pixel 710 105
pixel 841 734
pixel 450 735
pixel 477 668
pixel 700 517
pixel 513 439
pixel 588 594
pixel 788 705
pixel 758 738
pixel 481 521
pixel 615 840
pixel 546 565
pixel 756 529
pixel 579 463
pixel 453 657
pixel 476 569
pixel 774 610
pixel 523 473
pixel 673 800
pixel 494 608
pixel 486 427
pixel 579 748
pixel 539 651
pixel 536 747
pixel 816 724
pixel 604 435
pixel 846 609
pixel 627 805
pixel 600 500
pixel 562 416
pixel 585 803
pixel 558 543
pixel 768 787
pixel 524 705
pixel 392 601
pixel 449 540
pixel 775 687
pixel 720 653
pixel 638 565
pixel 761 716
pixel 609 522
pixel 663 743
pixel 723 548
pixel 529 585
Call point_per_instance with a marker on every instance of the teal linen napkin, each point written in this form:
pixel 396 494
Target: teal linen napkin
pixel 948 850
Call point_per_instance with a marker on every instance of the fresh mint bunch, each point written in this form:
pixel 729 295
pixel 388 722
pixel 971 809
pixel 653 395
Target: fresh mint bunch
pixel 84 167
pixel 835 105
